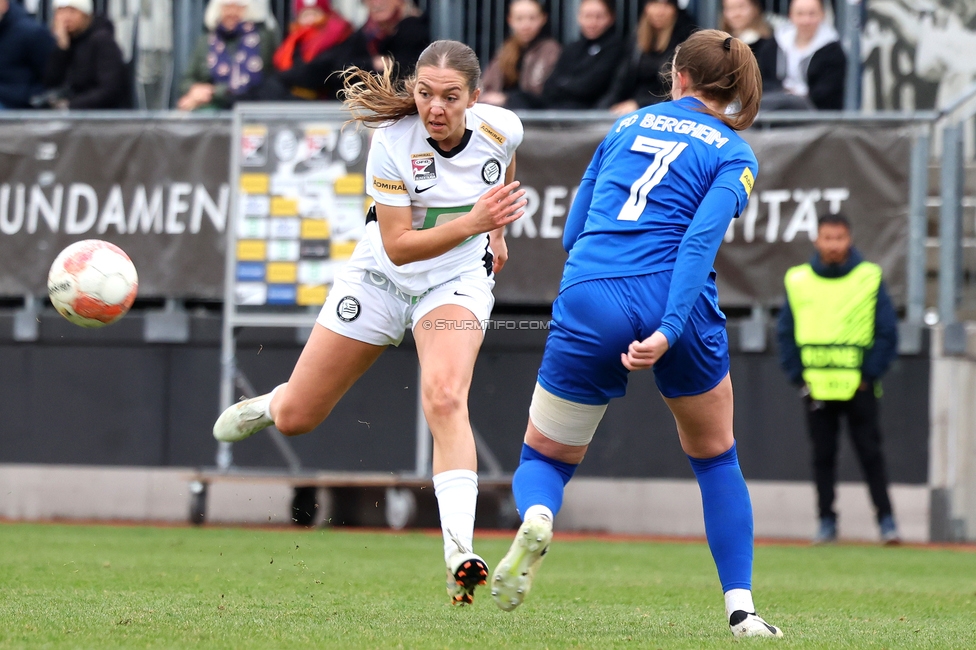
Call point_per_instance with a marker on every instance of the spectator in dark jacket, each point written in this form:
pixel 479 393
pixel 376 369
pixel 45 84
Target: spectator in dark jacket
pixel 809 61
pixel 662 27
pixel 394 34
pixel 85 70
pixel 744 19
pixel 25 46
pixel 517 74
pixel 586 67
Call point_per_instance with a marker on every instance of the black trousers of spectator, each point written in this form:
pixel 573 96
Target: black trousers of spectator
pixel 861 413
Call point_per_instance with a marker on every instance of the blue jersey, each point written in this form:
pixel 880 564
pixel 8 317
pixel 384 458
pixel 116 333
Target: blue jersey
pixel 659 195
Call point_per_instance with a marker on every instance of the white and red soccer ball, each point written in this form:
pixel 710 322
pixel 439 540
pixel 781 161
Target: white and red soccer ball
pixel 92 283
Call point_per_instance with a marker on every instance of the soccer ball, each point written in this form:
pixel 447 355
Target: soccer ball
pixel 92 283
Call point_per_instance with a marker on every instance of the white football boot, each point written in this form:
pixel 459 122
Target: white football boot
pixel 244 419
pixel 512 579
pixel 749 624
pixel 465 571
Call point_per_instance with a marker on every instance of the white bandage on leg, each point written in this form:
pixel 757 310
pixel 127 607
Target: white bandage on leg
pixel 563 421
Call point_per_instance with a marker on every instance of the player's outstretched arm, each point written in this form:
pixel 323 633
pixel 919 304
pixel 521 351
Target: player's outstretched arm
pixel 497 208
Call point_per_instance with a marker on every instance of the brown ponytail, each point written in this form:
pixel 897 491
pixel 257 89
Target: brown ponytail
pixel 723 69
pixel 379 100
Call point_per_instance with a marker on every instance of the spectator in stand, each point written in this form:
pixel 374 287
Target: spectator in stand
pixel 515 78
pixel 809 61
pixel 745 20
pixel 585 68
pixel 394 34
pixel 24 50
pixel 639 83
pixel 85 70
pixel 229 62
pixel 317 28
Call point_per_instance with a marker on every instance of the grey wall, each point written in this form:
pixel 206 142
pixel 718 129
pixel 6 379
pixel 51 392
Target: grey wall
pixel 105 397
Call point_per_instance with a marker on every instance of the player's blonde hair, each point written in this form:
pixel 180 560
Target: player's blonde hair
pixel 723 69
pixel 379 99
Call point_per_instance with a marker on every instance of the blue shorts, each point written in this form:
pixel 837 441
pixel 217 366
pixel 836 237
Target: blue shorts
pixel 594 321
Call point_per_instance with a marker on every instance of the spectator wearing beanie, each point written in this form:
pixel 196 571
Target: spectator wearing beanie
pixel 24 49
pixel 229 62
pixel 317 28
pixel 85 70
pixel 661 28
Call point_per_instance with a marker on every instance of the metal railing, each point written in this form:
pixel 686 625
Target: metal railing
pixel 956 235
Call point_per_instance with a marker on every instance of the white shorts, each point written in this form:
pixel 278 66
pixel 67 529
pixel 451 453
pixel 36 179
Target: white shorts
pixel 365 305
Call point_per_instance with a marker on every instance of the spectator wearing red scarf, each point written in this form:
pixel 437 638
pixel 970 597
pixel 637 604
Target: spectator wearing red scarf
pixel 395 32
pixel 317 28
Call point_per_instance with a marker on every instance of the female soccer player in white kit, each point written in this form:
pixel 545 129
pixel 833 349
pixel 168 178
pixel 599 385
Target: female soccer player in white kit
pixel 440 170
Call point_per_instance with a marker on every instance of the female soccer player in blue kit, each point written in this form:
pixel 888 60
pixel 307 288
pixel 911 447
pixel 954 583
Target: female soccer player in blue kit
pixel 638 291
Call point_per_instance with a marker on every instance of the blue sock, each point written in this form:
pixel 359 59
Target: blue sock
pixel 728 517
pixel 539 480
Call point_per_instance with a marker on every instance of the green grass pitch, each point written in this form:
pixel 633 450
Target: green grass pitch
pixel 156 587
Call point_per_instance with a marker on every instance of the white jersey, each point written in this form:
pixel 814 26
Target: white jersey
pixel 405 168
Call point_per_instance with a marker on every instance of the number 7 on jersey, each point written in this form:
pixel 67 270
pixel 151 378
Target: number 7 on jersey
pixel 665 153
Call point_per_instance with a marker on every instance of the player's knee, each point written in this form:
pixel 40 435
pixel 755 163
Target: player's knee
pixel 443 398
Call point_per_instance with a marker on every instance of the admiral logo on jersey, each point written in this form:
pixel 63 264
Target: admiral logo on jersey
pixel 422 165
pixel 492 133
pixel 389 186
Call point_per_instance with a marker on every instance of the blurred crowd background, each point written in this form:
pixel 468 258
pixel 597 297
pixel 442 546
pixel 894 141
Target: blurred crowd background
pixel 552 54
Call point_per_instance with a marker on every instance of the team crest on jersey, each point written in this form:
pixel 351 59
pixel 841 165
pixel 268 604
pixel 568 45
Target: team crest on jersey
pixel 423 168
pixel 491 171
pixel 348 309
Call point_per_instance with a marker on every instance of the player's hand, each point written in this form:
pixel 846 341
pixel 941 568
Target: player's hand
pixel 499 249
pixel 498 207
pixel 641 355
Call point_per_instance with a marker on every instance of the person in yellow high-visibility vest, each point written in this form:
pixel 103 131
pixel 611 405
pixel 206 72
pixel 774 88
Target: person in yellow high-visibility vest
pixel 837 335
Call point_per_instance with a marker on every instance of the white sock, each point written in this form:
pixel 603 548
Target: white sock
pixel 538 511
pixel 457 496
pixel 267 405
pixel 736 599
